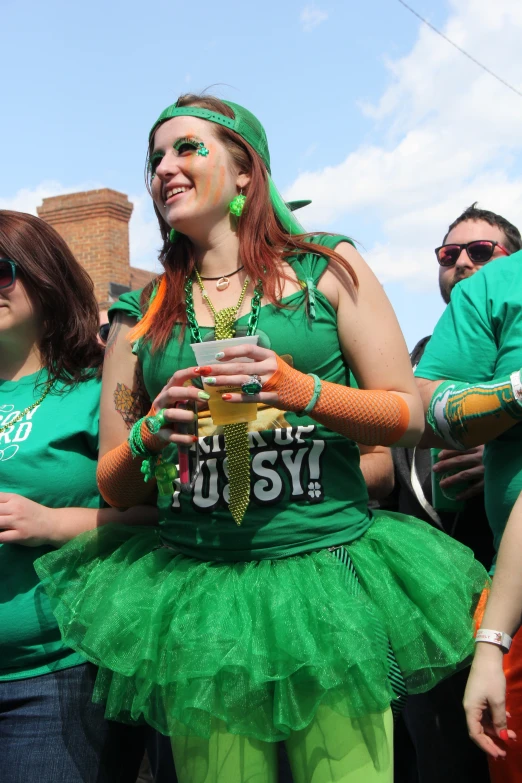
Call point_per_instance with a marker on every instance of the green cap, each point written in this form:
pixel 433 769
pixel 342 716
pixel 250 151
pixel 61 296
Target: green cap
pixel 244 123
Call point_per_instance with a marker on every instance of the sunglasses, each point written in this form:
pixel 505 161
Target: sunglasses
pixel 104 332
pixel 7 272
pixel 480 252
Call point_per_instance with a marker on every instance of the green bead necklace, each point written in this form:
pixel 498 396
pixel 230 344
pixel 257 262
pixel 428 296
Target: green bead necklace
pixel 231 312
pixel 27 410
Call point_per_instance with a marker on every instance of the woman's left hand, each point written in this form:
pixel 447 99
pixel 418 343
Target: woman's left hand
pixel 22 521
pixel 485 702
pixel 228 371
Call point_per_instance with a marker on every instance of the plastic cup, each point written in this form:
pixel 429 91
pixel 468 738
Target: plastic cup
pixel 225 412
pixel 446 499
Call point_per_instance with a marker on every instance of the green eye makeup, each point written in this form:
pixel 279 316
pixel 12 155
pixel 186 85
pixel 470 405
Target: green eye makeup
pixel 154 162
pixel 187 144
pixel 182 146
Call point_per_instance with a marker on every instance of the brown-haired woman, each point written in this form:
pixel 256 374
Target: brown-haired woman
pixel 49 413
pixel 266 608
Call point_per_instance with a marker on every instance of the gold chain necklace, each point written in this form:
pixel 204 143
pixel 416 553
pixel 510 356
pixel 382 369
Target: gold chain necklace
pixel 27 410
pixel 222 318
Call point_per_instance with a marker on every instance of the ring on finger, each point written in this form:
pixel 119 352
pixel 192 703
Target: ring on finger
pixel 252 386
pixel 155 423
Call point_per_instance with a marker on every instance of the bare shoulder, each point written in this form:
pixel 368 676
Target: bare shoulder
pixel 338 284
pixel 117 340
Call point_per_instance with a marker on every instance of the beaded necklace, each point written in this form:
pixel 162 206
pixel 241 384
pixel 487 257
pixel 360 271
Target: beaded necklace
pixel 191 314
pixel 27 410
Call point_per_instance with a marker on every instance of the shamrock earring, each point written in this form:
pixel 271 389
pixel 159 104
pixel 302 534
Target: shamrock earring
pixel 173 235
pixel 237 204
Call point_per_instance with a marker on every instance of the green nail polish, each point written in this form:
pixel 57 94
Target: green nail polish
pixel 210 381
pixel 203 395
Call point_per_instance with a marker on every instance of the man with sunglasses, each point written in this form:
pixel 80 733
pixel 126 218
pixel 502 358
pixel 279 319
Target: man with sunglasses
pixel 431 740
pixel 473 239
pixel 469 378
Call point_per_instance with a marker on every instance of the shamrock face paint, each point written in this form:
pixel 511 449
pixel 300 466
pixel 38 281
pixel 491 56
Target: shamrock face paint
pixel 187 144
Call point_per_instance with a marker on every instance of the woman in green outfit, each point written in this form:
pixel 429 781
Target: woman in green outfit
pixel 271 605
pixel 49 420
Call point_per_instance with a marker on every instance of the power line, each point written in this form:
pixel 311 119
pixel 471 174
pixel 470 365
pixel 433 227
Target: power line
pixel 498 78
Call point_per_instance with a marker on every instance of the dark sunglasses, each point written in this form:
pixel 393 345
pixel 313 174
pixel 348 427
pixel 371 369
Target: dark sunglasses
pixel 480 252
pixel 7 272
pixel 104 332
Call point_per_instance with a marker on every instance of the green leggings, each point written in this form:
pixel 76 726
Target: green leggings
pixel 332 749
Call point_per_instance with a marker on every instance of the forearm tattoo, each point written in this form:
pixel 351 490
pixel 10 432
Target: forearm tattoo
pixel 466 415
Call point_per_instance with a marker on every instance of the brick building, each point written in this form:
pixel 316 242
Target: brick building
pixel 95 225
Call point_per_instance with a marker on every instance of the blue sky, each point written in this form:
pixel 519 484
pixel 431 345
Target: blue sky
pixel 388 129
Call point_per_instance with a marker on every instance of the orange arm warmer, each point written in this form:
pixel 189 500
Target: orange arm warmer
pixel 119 475
pixel 374 418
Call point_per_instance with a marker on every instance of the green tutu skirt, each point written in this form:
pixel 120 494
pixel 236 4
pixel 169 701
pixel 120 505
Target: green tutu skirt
pixel 260 645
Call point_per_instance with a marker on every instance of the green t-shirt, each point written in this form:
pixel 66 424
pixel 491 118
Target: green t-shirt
pixel 307 491
pixel 50 457
pixel 479 338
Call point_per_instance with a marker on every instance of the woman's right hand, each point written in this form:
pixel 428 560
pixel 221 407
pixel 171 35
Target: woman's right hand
pixel 176 391
pixel 485 701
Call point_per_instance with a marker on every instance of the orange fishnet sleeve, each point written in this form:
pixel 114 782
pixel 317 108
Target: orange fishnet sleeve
pixel 119 475
pixel 374 418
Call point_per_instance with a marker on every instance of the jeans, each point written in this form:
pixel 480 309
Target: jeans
pixel 159 750
pixel 51 732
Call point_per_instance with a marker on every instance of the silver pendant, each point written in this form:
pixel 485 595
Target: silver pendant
pixel 222 284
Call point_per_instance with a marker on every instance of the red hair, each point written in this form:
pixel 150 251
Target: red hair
pixel 262 240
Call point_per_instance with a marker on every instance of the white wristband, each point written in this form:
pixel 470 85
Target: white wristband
pixel 516 385
pixel 494 637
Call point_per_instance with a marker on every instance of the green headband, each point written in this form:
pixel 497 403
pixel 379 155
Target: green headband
pixel 246 125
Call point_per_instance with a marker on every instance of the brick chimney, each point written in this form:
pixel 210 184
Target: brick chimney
pixel 95 225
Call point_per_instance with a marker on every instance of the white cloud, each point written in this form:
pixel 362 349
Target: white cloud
pixel 145 238
pixel 311 17
pixel 451 135
pixel 27 199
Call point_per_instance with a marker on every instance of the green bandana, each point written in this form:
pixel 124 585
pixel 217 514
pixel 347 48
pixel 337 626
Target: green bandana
pixel 246 125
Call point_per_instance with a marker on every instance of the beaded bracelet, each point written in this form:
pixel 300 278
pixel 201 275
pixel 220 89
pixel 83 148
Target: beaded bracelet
pixel 153 465
pixel 503 640
pixel 153 424
pixel 315 396
pixel 135 440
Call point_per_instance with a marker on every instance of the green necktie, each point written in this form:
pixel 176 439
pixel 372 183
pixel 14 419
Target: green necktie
pixel 236 435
